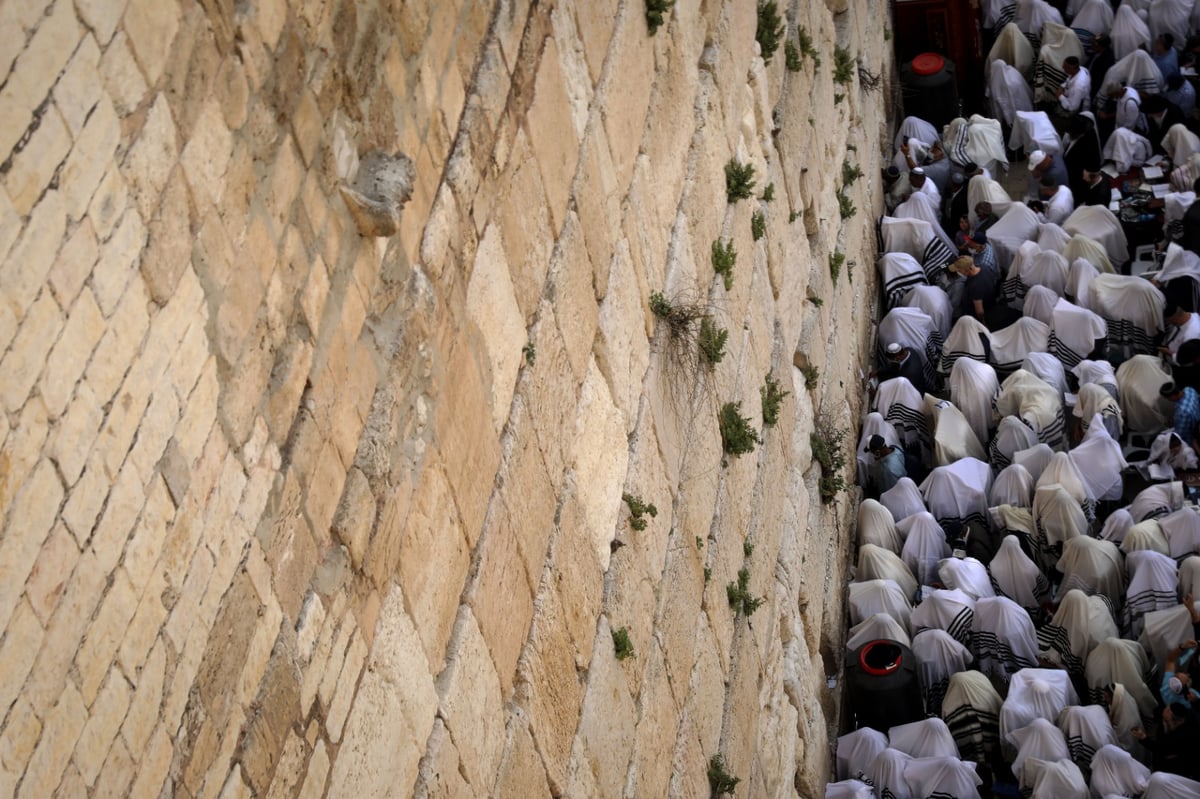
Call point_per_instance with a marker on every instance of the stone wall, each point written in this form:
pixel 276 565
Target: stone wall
pixel 288 511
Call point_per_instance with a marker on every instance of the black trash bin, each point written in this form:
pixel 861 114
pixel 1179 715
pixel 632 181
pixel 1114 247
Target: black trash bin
pixel 930 89
pixel 882 685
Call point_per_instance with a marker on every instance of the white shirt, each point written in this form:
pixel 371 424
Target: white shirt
pixel 1077 92
pixel 1060 206
pixel 1177 335
pixel 1128 108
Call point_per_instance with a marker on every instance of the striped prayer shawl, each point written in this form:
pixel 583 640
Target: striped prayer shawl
pixel 934 259
pixel 977 732
pixel 1054 637
pixel 1066 356
pixel 996 658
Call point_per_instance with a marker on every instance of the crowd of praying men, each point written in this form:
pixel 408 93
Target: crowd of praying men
pixel 1027 530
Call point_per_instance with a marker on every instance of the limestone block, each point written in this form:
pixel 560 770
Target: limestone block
pixel 49 759
pixel 23 273
pixel 149 161
pixel 22 449
pixel 35 165
pixel 471 704
pixel 504 626
pixel 553 133
pixel 151 27
pixel 318 772
pixel 103 18
pixel 521 771
pixel 575 309
pixel 153 766
pixel 47 52
pixel 355 515
pixel 680 612
pixel 147 621
pixel 383 185
pixel 207 153
pixel 122 78
pixel 29 520
pixel 598 202
pixel 441 771
pixel 92 154
pixel 657 728
pixel 23 636
pixel 276 707
pixel 17 743
pixel 117 773
pixel 104 635
pixel 492 308
pixel 526 223
pixel 632 56
pixel 48 578
pixel 606 729
pixel 594 22
pixel 117 264
pixel 600 457
pixel 392 715
pixel 622 348
pixel 146 701
pixel 576 582
pixel 26 359
pixel 356 657
pixel 66 362
pixel 63 633
pixel 79 255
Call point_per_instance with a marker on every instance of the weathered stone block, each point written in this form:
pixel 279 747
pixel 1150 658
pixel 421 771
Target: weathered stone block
pixel 472 705
pixel 151 27
pixel 35 165
pixel 493 310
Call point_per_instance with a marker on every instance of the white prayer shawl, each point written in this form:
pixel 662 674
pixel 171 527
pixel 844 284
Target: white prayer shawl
pixel 983 189
pixel 1061 470
pixel 925 738
pixel 925 207
pixel 1090 250
pixel 1035 459
pixel 873 425
pixel 900 273
pixel 1095 17
pixel 1012 486
pixel 1099 461
pixel 917 150
pixel 917 238
pixel 973 389
pixel 1121 660
pixel 879 596
pixel 1011 344
pixel 939 656
pixel 899 402
pixel 1170 16
pixel 1102 226
pixel 934 303
pixel 1100 372
pixel 916 128
pixel 1016 226
pixel 984 143
pixel 1189 576
pixel 1157 500
pixel 1138 380
pixel 1045 779
pixel 1114 771
pixel 1039 304
pixel 1040 739
pixel 903 500
pixel 1124 715
pixel 856 750
pixel 1163 630
pixel 971 709
pixel 1058 516
pixel 1153 578
pixel 1116 525
pixel 1182 531
pixel 1058 43
pixel 1175 205
pixel 1003 638
pixel 873 628
pixel 943 776
pixel 1032 15
pixel 1183 176
pixel 1014 289
pixel 1012 436
pixel 1078 627
pixel 953 436
pixel 1126 149
pixel 967 575
pixel 1033 130
pixel 1080 274
pixel 1014 49
pixel 1017 577
pixel 1008 92
pixel 914 329
pixel 1177 263
pixel 849 789
pixel 1092 566
pixel 965 341
pixel 998 13
pixel 1132 308
pixel 1048 369
pixel 876 526
pixel 1051 236
pixel 1128 34
pixel 1036 402
pixel 887 774
pixel 1095 401
pixel 958 492
pixel 1145 536
pixel 924 545
pixel 1035 694
pixel 877 563
pixel 949 610
pixel 1011 520
pixel 1060 205
pixel 1074 331
pixel 1180 143
pixel 1087 729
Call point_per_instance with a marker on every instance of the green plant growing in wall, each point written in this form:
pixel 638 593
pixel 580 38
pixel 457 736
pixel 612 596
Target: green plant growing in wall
pixel 739 180
pixel 791 56
pixel 817 301
pixel 770 29
pixel 724 256
pixel 768 193
pixel 739 596
pixel 807 48
pixel 679 315
pixel 844 65
pixel 737 436
pixel 699 542
pixel 712 341
pixel 720 781
pixel 772 398
pixel 656 13
pixel 845 205
pixel 758 225
pixel 638 511
pixel 707 573
pixel 850 173
pixel 530 353
pixel 837 98
pixel 622 646
pixel 829 450
pixel 836 259
pixel 747 548
pixel 812 376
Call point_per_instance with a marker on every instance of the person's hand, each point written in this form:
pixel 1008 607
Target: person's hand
pixel 1189 644
pixel 1138 733
pixel 904 148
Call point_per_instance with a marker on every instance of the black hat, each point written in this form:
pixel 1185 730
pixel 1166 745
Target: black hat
pixel 874 443
pixel 1167 390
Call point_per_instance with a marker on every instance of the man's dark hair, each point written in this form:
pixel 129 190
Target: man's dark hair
pixel 1175 82
pixel 1071 60
pixel 1049 182
pixel 1196 185
pixel 1101 42
pixel 1189 351
pixel 1168 39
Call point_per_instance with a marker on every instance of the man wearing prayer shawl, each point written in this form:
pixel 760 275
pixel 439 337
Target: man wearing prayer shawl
pixel 889 465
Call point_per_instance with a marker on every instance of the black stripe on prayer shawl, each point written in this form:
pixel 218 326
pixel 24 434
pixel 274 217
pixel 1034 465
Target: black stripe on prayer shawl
pixel 1006 368
pixel 933 352
pixel 1035 40
pixel 996 658
pixel 1123 332
pixel 975 732
pixel 936 255
pixel 1080 751
pixel 1013 290
pixel 1052 434
pixel 895 289
pixel 933 696
pixel 1146 86
pixel 1041 590
pixel 1141 603
pixel 1007 15
pixel 959 627
pixel 1048 77
pixel 1086 37
pixel 958 147
pixel 949 358
pixel 1065 355
pixel 1054 637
